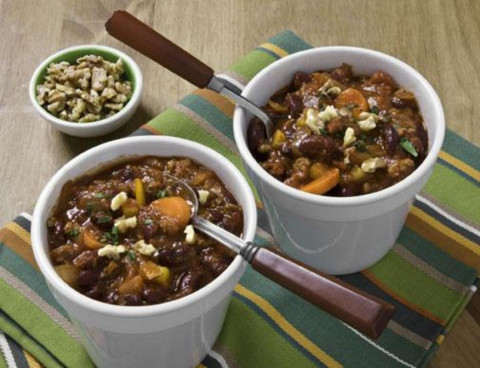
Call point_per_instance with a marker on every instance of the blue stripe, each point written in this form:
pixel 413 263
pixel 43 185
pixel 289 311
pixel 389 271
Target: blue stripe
pixel 211 362
pixel 281 332
pixel 467 234
pixel 23 223
pixel 269 52
pixel 17 353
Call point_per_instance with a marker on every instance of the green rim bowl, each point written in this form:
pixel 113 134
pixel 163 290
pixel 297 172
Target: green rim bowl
pixel 100 127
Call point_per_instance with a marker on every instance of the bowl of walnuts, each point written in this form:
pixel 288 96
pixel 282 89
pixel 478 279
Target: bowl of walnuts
pixel 87 90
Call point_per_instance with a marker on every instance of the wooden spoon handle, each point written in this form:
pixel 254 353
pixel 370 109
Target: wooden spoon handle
pixel 131 31
pixel 360 310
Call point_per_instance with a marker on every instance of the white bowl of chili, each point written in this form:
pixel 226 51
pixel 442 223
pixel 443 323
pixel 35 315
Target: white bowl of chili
pixel 177 333
pixel 339 235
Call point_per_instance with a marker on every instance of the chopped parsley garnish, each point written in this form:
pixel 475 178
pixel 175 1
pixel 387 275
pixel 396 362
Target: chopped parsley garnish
pixel 360 145
pixel 323 131
pixel 112 236
pixel 104 220
pixel 99 195
pixel 148 221
pixel 162 194
pixel 374 110
pixel 73 233
pixel 131 255
pixel 408 146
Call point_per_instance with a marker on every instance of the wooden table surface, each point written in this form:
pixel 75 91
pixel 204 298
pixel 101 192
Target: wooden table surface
pixel 438 38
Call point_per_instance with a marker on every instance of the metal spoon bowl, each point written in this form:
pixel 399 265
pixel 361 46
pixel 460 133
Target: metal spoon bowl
pixel 362 311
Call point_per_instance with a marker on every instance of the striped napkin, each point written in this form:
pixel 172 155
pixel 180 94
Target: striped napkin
pixel 429 275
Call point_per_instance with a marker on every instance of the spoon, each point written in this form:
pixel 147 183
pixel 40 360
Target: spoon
pixel 133 32
pixel 366 313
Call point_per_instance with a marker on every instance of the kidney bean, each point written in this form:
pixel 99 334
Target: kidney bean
pixel 299 79
pixel 153 295
pixel 96 292
pixel 132 299
pixel 87 278
pixel 216 215
pixel 342 74
pixel 189 281
pixel 389 138
pixel 345 191
pixel 294 104
pixel 317 145
pixel 255 135
pixel 232 221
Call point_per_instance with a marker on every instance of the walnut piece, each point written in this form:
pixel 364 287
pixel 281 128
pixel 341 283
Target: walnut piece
pixel 88 90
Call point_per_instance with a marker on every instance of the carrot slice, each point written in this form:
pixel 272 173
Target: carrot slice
pixel 349 97
pixel 324 183
pixel 175 208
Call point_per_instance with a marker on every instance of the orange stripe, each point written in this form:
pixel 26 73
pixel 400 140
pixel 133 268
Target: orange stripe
pixel 220 102
pixel 405 302
pixel 151 129
pixel 18 245
pixel 441 240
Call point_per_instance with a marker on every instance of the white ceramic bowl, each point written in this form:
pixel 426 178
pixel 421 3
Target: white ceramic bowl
pixel 174 334
pixel 100 127
pixel 338 235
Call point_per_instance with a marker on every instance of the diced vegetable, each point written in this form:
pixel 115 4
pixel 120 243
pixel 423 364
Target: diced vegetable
pixel 152 272
pixel 408 146
pixel 357 174
pixel 139 192
pixel 90 240
pixel 283 109
pixel 67 273
pixel 130 208
pixel 278 138
pixel 324 183
pixel 353 98
pixel 175 208
pixel 131 286
pixel 317 169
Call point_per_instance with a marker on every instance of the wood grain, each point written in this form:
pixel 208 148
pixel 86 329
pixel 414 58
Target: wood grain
pixel 438 38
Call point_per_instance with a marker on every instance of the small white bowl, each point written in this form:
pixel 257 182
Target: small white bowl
pixel 338 235
pixel 100 127
pixel 178 333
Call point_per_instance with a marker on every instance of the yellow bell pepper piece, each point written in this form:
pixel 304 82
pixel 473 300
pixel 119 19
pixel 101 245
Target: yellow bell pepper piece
pixel 278 138
pixel 139 192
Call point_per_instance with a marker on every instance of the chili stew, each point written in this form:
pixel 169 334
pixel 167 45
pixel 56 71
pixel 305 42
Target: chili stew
pixel 122 235
pixel 341 134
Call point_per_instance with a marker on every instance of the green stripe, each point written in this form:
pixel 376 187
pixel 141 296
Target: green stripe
pixel 462 149
pixel 247 337
pixel 326 332
pixel 444 186
pixel 17 266
pixel 27 343
pixel 42 328
pixel 414 286
pixel 210 113
pixel 290 42
pixel 251 64
pixel 435 257
pixel 3 364
pixel 457 313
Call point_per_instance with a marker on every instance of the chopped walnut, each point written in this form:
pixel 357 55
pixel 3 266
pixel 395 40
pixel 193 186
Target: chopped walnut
pixel 89 90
